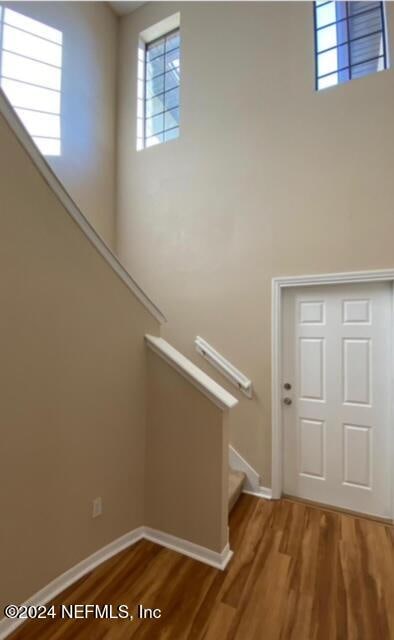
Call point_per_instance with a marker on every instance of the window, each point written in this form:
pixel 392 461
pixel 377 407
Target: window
pixel 350 40
pixel 30 76
pixel 159 84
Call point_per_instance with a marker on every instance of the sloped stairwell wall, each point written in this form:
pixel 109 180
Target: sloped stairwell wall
pixel 72 381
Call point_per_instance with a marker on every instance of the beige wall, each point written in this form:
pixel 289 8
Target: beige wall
pixel 87 164
pixel 73 387
pixel 186 460
pixel 268 178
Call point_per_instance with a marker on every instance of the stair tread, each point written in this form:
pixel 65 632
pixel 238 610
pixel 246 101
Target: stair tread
pixel 236 481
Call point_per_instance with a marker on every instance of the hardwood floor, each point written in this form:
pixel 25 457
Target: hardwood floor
pixel 299 573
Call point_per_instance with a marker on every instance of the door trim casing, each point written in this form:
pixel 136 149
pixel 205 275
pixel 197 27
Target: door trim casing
pixel 279 284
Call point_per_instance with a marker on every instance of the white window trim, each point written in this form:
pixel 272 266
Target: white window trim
pixel 158 30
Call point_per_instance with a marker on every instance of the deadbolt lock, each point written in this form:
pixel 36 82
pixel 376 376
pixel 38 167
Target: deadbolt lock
pixel 287 386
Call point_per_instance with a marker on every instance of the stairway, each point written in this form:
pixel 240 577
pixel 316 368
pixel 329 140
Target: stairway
pixel 236 481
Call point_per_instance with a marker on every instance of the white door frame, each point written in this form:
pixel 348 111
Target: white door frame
pixel 278 287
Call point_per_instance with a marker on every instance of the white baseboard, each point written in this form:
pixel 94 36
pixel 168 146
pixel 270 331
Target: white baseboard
pixel 214 559
pixel 252 481
pixel 66 579
pixel 261 492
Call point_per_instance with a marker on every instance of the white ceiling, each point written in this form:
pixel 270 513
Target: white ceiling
pixel 123 7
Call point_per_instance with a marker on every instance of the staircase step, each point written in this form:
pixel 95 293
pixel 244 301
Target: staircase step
pixel 236 481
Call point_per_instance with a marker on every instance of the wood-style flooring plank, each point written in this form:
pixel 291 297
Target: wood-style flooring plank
pixel 299 572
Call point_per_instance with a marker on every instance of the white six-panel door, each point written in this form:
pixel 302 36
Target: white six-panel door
pixel 337 360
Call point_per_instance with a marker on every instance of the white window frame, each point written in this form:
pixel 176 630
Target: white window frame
pixel 156 31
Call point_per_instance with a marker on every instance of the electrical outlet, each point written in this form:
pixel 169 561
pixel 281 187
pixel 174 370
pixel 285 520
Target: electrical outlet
pixel 97 507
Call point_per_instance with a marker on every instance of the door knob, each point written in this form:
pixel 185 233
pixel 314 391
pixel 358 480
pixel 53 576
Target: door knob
pixel 287 401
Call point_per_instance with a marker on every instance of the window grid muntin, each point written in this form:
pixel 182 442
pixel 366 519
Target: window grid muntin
pixel 354 15
pixel 356 64
pixel 341 44
pixel 56 39
pixel 378 7
pixel 161 93
pixel 349 47
pixel 162 133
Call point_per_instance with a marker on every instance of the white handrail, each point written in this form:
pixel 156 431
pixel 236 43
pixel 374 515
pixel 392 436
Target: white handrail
pixel 225 367
pixel 211 389
pixel 72 209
